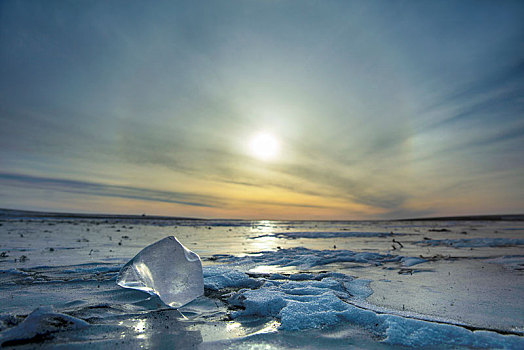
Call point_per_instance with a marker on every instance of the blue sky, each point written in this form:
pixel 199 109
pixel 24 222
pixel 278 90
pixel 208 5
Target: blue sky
pixel 382 109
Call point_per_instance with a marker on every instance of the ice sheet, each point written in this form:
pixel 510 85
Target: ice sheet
pixel 72 264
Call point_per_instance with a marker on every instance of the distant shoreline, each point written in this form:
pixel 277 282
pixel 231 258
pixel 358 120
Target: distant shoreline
pixel 14 213
pixel 503 217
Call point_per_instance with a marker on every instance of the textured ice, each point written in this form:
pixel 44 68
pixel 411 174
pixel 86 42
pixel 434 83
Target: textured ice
pixel 514 262
pixel 218 277
pixel 411 261
pixel 167 269
pixel 330 234
pixel 328 300
pixel 307 258
pixel 473 243
pixel 41 322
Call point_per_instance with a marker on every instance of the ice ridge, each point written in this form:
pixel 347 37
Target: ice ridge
pixel 308 258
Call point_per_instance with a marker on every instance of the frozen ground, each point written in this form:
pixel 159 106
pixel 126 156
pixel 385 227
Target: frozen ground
pixel 268 284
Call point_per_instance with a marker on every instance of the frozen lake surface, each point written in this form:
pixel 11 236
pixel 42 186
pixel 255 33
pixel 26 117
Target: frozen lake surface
pixel 268 284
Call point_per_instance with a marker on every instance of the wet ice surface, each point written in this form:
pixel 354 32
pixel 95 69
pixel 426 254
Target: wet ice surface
pixel 267 284
pixel 332 234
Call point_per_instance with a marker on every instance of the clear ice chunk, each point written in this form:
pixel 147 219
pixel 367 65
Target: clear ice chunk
pixel 167 269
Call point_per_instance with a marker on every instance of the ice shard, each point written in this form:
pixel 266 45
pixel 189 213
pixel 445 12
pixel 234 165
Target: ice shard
pixel 167 269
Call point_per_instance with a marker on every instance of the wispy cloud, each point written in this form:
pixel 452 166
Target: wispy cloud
pixel 128 192
pixel 492 100
pixel 105 190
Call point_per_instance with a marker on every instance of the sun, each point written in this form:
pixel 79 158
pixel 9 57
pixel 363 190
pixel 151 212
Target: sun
pixel 264 146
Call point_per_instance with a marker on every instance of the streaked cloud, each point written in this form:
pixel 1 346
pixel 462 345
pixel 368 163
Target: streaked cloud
pixel 105 190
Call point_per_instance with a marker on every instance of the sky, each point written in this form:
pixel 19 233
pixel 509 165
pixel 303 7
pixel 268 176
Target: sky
pixel 372 109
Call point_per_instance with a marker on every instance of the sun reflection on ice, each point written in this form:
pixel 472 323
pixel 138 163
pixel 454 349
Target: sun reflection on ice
pixel 140 326
pixel 263 240
pixel 233 327
pixel 263 226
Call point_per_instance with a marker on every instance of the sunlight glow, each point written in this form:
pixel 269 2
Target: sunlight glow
pixel 262 238
pixel 264 146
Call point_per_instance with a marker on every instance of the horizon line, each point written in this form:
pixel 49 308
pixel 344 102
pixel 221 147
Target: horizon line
pixel 7 212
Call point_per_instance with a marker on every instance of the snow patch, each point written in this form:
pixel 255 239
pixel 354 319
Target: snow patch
pixel 307 304
pixel 307 258
pixel 218 277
